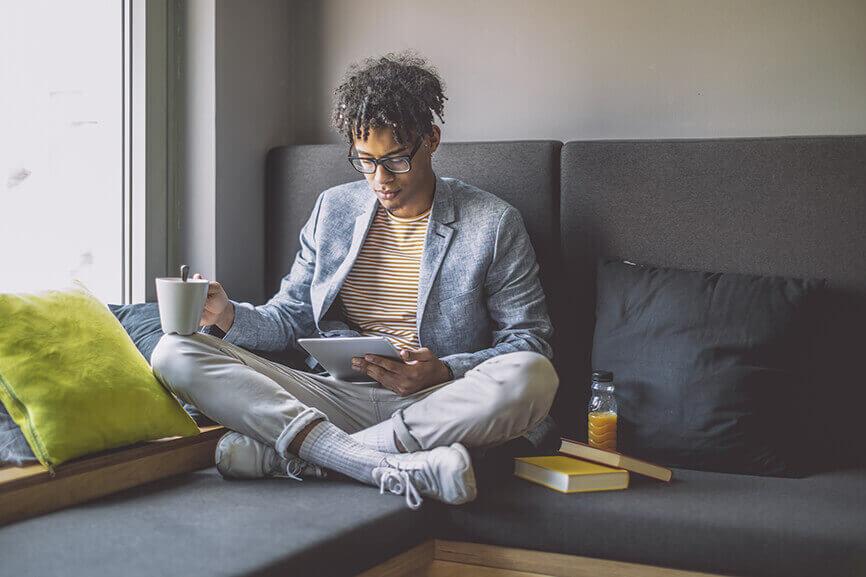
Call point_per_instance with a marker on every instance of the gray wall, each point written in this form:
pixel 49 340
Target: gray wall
pixel 598 69
pixel 260 73
pixel 253 90
pixel 236 93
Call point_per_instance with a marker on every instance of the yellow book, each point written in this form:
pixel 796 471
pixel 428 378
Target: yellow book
pixel 570 475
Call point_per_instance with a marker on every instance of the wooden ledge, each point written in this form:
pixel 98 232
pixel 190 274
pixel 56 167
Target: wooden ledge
pixel 438 558
pixel 29 491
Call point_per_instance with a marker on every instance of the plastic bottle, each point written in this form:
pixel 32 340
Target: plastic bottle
pixel 602 412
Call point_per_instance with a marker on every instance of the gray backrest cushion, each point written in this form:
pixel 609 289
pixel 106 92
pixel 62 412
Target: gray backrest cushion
pixel 295 177
pixel 771 206
pixel 523 173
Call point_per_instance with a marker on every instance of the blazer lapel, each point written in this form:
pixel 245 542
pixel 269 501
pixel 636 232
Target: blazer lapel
pixel 362 225
pixel 436 244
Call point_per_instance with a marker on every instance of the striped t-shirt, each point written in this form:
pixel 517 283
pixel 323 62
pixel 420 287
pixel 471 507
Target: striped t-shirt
pixel 380 293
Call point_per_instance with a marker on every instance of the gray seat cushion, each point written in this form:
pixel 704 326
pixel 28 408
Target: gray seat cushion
pixel 712 522
pixel 201 524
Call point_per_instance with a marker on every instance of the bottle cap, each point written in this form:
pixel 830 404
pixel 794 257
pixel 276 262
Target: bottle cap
pixel 602 376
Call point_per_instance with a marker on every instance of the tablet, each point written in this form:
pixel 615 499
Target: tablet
pixel 335 353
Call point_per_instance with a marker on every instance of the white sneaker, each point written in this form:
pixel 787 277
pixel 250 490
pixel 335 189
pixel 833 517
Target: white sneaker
pixel 238 456
pixel 443 473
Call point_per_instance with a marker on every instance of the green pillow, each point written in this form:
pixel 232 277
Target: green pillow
pixel 73 380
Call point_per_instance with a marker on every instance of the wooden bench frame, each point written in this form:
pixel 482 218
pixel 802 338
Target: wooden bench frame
pixel 438 558
pixel 31 490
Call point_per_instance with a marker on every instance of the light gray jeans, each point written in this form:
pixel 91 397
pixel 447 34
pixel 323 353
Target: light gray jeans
pixel 498 400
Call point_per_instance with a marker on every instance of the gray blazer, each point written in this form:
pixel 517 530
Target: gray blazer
pixel 478 294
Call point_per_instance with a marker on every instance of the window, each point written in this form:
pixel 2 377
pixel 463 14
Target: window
pixel 64 146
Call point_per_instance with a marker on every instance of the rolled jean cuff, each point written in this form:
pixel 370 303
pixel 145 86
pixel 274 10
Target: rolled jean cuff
pixel 402 431
pixel 300 421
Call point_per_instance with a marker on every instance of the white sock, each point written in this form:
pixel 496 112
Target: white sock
pixel 379 437
pixel 329 446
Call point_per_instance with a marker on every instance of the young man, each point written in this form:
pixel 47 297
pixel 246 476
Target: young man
pixel 443 270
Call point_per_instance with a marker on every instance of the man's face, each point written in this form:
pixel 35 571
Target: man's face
pixel 406 194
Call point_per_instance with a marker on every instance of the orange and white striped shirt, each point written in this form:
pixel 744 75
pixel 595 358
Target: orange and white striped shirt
pixel 380 293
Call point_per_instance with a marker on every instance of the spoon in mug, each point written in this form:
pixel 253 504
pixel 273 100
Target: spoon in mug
pixel 184 272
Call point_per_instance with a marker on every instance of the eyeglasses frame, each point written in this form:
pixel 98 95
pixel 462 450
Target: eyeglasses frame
pixel 378 161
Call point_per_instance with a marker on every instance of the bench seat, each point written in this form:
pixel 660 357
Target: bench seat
pixel 200 524
pixel 710 522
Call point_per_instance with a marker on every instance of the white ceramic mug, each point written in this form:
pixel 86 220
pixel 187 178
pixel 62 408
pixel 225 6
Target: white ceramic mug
pixel 180 304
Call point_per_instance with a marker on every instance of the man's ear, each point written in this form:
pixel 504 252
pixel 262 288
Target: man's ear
pixel 434 139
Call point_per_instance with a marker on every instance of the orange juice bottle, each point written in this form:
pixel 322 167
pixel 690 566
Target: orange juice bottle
pixel 602 412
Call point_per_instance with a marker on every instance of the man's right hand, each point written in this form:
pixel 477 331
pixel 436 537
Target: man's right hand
pixel 218 310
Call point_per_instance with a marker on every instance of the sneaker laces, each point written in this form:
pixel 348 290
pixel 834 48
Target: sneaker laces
pixel 297 466
pixel 294 469
pixel 399 483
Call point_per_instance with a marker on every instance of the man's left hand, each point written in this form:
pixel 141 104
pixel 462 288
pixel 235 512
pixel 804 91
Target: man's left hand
pixel 418 370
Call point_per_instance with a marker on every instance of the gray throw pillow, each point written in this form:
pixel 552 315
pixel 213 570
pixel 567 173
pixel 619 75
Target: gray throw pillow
pixel 710 369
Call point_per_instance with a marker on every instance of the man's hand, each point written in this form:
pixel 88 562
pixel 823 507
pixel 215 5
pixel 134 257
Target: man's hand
pixel 418 370
pixel 218 310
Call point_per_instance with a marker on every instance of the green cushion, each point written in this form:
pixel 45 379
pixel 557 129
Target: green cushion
pixel 73 380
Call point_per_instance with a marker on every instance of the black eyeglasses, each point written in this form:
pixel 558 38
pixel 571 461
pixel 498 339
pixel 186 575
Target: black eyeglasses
pixel 393 164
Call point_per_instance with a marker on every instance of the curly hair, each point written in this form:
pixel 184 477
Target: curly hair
pixel 399 91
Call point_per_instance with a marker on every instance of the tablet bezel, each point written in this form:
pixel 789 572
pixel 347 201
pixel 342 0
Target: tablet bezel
pixel 335 353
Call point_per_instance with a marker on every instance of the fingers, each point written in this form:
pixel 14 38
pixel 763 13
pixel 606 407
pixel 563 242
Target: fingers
pixel 414 356
pixel 422 354
pixel 366 362
pixel 198 276
pixel 407 357
pixel 394 385
pixel 213 287
pixel 378 373
pixel 388 379
pixel 401 377
pixel 384 362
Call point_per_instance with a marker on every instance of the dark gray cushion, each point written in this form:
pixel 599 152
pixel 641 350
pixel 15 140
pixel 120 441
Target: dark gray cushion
pixel 201 524
pixel 767 206
pixel 714 522
pixel 709 368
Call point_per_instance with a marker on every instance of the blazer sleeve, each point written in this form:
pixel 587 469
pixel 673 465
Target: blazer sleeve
pixel 288 315
pixel 515 299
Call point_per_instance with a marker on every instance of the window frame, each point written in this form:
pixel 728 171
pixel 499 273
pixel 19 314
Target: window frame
pixel 151 145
